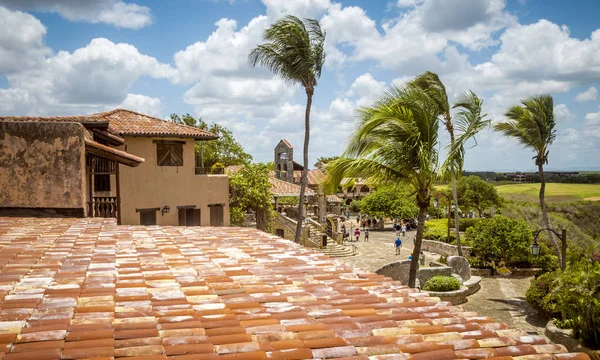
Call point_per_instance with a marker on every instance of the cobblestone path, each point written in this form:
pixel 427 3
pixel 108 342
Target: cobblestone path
pixel 504 300
pixel 501 298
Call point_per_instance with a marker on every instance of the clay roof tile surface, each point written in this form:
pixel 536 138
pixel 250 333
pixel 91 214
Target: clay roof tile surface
pixel 88 288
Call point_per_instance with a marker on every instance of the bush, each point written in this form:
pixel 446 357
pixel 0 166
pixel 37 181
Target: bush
pixel 539 293
pixel 438 230
pixel 500 237
pixel 477 263
pixel 442 283
pixel 464 224
pixel 355 206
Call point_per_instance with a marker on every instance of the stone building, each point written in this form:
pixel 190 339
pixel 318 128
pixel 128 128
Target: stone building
pixel 117 164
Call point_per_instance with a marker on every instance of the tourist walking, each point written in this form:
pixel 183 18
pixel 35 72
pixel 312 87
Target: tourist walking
pixel 369 222
pixel 403 230
pixel 357 233
pixel 398 244
pixel 366 235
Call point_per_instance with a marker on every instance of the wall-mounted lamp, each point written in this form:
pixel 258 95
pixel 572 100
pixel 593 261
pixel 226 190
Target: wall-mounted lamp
pixel 165 210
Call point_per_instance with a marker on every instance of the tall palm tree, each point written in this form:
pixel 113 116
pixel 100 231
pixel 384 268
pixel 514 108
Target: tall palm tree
pixel 294 50
pixel 396 140
pixel 469 122
pixel 532 125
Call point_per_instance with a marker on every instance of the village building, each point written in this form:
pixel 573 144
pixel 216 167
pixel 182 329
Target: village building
pixel 118 164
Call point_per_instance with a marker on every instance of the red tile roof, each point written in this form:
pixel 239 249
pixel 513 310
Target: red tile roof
pixel 284 188
pixel 126 122
pixel 84 288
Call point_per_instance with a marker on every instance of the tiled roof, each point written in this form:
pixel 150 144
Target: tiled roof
pixel 127 122
pixel 232 169
pixel 284 188
pixel 87 288
pixel 86 120
pixel 286 143
pixel 315 177
pixel 333 199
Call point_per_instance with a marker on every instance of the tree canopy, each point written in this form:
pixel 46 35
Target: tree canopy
pixel 393 202
pixel 478 194
pixel 225 150
pixel 250 191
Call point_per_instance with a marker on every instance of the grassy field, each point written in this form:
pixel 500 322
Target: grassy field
pixel 554 192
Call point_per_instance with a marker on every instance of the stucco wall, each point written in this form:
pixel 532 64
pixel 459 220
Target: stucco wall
pixel 42 166
pixel 153 186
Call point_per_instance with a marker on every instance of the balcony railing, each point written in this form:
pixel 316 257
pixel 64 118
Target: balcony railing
pixel 210 171
pixel 103 206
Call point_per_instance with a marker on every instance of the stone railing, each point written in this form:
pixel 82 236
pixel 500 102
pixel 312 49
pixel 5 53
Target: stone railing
pixel 443 248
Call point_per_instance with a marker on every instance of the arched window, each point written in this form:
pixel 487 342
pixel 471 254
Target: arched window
pixel 283 156
pixel 285 167
pixel 278 167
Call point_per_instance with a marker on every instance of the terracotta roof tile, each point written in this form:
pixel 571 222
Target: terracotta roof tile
pixel 126 122
pixel 284 188
pixel 87 288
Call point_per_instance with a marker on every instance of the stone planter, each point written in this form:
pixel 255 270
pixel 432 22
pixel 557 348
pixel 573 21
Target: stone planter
pixel 456 297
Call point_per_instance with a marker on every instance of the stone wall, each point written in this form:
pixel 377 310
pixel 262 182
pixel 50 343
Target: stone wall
pixel 444 249
pixel 42 167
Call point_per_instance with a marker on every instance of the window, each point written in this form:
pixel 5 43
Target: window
pixel 216 214
pixel 147 216
pixel 188 216
pixel 102 182
pixel 169 153
pixel 283 156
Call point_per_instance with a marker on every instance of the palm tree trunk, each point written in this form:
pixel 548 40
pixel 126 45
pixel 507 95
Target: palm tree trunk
pixel 545 218
pixel 414 263
pixel 456 218
pixel 304 181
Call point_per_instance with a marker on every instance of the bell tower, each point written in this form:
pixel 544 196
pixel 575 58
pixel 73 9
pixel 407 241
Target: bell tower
pixel 284 161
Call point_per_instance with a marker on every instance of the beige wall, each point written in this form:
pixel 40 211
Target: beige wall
pixel 153 186
pixel 42 166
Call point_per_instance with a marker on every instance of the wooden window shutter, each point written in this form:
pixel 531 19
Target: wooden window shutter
pixel 169 153
pixel 176 155
pixel 163 154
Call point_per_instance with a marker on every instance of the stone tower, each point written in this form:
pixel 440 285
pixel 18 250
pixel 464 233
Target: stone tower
pixel 284 161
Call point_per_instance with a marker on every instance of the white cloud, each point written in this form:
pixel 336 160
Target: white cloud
pixel 589 95
pixel 91 78
pixel 21 41
pixel 591 124
pixel 367 89
pixel 143 104
pixel 111 12
pixel 563 113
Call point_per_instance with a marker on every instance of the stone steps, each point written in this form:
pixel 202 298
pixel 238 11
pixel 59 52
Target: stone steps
pixel 336 250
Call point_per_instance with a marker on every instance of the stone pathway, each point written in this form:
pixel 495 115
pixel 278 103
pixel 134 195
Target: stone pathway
pixel 504 300
pixel 501 298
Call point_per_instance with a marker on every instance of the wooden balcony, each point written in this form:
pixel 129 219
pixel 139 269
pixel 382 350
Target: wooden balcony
pixel 104 206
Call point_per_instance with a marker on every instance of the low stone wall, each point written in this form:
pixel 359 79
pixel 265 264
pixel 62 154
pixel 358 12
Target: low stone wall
pixel 563 336
pixel 443 248
pixel 397 270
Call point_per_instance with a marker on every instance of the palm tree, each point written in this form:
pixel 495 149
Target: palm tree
pixel 294 50
pixel 396 140
pixel 469 122
pixel 532 125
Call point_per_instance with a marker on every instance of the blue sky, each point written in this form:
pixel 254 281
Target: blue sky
pixel 61 57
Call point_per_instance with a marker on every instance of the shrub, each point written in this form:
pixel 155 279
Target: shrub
pixel 539 293
pixel 500 237
pixel 355 206
pixel 438 230
pixel 464 224
pixel 577 297
pixel 477 263
pixel 442 283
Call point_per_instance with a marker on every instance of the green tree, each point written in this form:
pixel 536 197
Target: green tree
pixel 250 191
pixel 467 123
pixel 325 159
pixel 532 125
pixel 396 140
pixel 225 150
pixel 393 201
pixel 294 50
pixel 500 237
pixel 476 193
